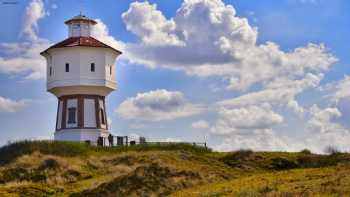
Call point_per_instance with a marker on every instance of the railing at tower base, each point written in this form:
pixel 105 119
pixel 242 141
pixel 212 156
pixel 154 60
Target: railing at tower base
pixel 125 141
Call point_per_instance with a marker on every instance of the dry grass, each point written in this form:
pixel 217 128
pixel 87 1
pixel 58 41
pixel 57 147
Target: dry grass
pixel 162 170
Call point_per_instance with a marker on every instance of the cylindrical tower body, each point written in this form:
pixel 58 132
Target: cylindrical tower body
pixel 81 73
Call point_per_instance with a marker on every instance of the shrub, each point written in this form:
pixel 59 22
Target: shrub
pixel 235 159
pixel 38 177
pixel 331 150
pixel 49 164
pixel 14 150
pixel 280 163
pixel 306 152
pixel 317 161
pixel 72 175
pixel 311 161
pixel 238 155
pixel 15 174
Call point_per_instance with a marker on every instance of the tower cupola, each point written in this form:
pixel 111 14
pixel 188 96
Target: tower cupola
pixel 80 26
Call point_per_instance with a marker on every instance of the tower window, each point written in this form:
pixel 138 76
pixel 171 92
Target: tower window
pixel 67 67
pixel 103 121
pixel 92 67
pixel 110 70
pixel 71 115
pixel 50 70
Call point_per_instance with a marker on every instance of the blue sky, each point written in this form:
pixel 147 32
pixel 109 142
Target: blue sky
pixel 242 74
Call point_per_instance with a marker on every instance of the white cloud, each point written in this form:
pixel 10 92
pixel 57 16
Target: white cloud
pixel 278 93
pixel 322 120
pixel 157 105
pixel 245 121
pixel 8 105
pixel 252 129
pixel 150 25
pixel 171 140
pixel 210 40
pixel 323 130
pixel 100 31
pixel 339 89
pixel 23 58
pixel 265 140
pixel 200 124
pixel 34 12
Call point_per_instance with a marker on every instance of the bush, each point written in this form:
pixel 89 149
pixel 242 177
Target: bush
pixel 311 161
pixel 318 161
pixel 235 159
pixel 331 150
pixel 38 177
pixel 14 150
pixel 49 164
pixel 280 163
pixel 306 152
pixel 15 174
pixel 238 155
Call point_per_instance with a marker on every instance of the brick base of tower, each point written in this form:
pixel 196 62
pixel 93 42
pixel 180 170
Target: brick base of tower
pixel 81 118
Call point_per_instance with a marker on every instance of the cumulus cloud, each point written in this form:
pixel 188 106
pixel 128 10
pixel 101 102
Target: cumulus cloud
pixel 278 93
pixel 324 130
pixel 321 129
pixel 100 31
pixel 145 21
pixel 265 140
pixel 23 58
pixel 322 120
pixel 34 12
pixel 249 127
pixel 8 105
pixel 200 124
pixel 157 105
pixel 339 89
pixel 245 121
pixel 210 40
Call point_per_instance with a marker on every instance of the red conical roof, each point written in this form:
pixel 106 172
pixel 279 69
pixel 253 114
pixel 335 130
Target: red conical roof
pixel 81 41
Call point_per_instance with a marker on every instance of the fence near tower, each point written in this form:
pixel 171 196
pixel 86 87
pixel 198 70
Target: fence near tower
pixel 131 141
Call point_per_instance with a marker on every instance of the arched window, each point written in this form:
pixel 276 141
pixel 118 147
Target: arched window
pixel 72 115
pixel 103 120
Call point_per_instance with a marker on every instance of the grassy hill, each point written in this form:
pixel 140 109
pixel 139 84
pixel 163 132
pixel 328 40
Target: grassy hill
pixel 44 168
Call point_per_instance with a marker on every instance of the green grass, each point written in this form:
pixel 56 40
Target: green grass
pixel 245 159
pixel 14 150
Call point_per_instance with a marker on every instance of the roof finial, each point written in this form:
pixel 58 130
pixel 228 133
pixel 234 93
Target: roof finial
pixel 80 8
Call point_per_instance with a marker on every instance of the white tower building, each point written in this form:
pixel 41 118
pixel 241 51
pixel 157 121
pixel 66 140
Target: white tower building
pixel 81 73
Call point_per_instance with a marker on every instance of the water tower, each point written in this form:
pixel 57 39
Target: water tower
pixel 81 73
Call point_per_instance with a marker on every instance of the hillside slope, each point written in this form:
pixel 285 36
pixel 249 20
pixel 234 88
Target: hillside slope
pixel 71 169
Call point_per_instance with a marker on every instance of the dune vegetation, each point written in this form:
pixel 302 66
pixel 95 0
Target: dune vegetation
pixel 48 168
